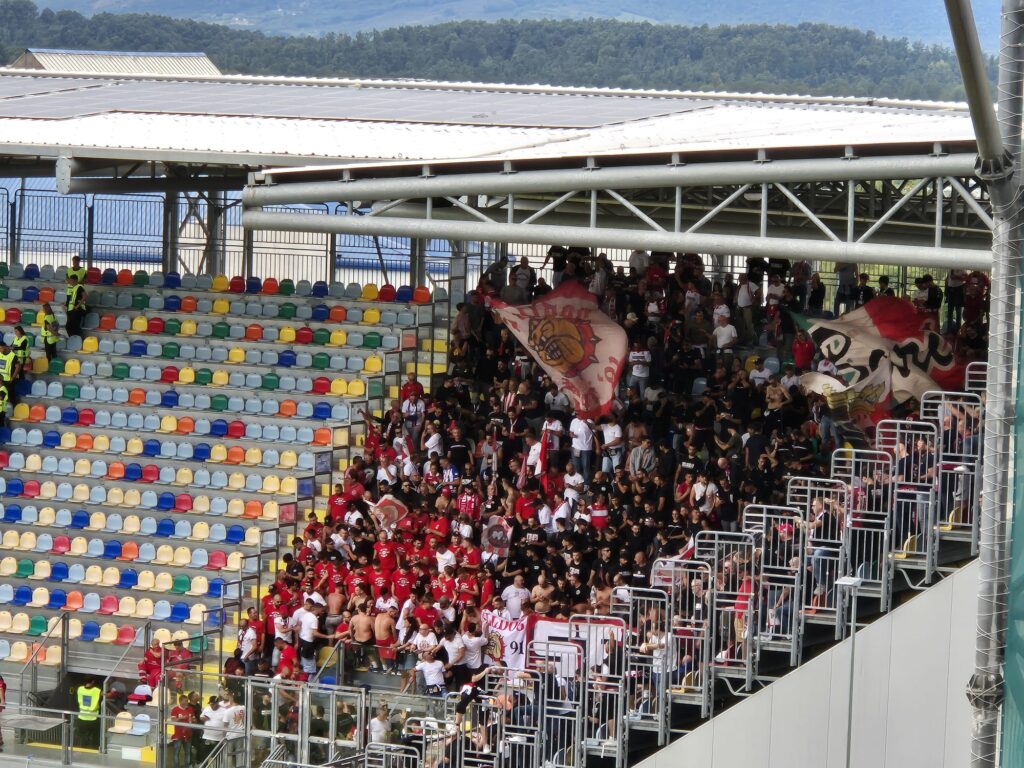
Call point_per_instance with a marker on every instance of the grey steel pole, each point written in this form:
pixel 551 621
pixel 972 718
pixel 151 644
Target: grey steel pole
pixel 998 164
pixel 869 252
pixel 853 657
pixel 628 177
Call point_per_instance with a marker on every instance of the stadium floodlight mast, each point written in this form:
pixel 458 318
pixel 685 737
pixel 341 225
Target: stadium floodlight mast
pixel 999 152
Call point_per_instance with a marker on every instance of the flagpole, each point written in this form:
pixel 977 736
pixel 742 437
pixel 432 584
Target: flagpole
pixel 999 145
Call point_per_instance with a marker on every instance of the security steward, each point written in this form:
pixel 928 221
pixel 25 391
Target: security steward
pixel 76 270
pixel 50 332
pixel 21 347
pixel 75 305
pixel 8 367
pixel 5 398
pixel 88 696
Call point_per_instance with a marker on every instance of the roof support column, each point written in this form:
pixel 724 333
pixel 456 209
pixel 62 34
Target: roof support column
pixel 171 224
pixel 213 254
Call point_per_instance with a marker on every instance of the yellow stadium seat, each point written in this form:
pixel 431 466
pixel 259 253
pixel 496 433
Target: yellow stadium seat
pixel 253 456
pixel 183 476
pixel 369 293
pixel 72 367
pixel 339 387
pixel 47 517
pixel 188 328
pixel 108 633
pixel 220 283
pixel 236 507
pixel 236 481
pixel 271 484
pixel 371 317
pixel 221 307
pixel 140 324
pixel 68 441
pixel 40 365
pixel 338 339
pixel 286 335
pixel 289 485
pixel 134 447
pixel 90 345
pixel 187 376
pixel 218 454
pixel 168 424
pixel 236 355
pixel 356 388
pixel 220 378
pixel 82 467
pixel 100 444
pixel 20 411
pixel 373 364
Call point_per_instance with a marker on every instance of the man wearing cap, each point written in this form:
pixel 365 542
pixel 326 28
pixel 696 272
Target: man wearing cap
pixel 760 375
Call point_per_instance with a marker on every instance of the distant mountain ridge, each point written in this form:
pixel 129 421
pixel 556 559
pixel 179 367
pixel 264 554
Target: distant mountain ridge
pixel 919 20
pixel 805 59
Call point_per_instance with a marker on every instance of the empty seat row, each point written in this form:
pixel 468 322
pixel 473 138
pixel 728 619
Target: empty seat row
pixel 221 283
pixel 21 653
pixel 354 361
pixel 351 384
pixel 95 576
pixel 34 463
pixel 38 413
pixel 131 725
pixel 217 453
pixel 117 419
pixel 256 332
pixel 82 520
pixel 129 551
pixel 165 501
pixel 188 304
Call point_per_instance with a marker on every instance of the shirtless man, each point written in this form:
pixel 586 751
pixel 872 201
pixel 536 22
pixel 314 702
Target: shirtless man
pixel 335 605
pixel 385 637
pixel 360 630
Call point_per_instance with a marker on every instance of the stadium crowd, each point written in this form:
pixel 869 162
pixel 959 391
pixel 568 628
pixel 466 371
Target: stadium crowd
pixel 506 500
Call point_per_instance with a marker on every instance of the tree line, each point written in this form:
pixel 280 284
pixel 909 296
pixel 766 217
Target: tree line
pixel 804 59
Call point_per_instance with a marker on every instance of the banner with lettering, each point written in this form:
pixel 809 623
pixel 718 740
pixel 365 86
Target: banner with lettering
pixel 578 346
pixel 886 352
pixel 506 639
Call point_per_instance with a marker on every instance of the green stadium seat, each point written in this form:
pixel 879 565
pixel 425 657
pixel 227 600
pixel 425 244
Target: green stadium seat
pixel 219 403
pixel 170 351
pixel 286 287
pixel 204 376
pixel 56 367
pixel 271 381
pixel 321 361
pixel 221 330
pixel 120 372
pixel 172 327
pixel 286 311
pixel 372 340
pixel 140 301
pixel 321 336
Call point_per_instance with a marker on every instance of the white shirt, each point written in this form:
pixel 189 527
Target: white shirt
pixel 745 295
pixel 433 445
pixel 533 457
pixel 639 260
pixel 446 557
pixel 571 494
pixel 307 626
pixel 641 362
pixel 214 724
pixel 513 597
pixel 423 642
pixel 561 513
pixel 719 311
pixel 759 377
pixel 582 436
pixel 412 411
pixel 610 433
pixel 452 647
pixel 723 335
pixel 790 381
pixel 553 429
pixel 379 730
pixel 544 517
pixel 433 672
pixel 774 293
pixel 234 721
pixel 474 647
pixel 247 642
pixel 283 628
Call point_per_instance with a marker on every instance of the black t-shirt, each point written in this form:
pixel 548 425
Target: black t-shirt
pixel 580 569
pixel 578 594
pixel 458 452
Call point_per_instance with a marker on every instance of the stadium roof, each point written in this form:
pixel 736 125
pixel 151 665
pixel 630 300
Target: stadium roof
pixel 277 121
pixel 116 62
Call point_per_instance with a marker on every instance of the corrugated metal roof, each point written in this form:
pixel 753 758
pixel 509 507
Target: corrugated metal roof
pixel 189 64
pixel 370 121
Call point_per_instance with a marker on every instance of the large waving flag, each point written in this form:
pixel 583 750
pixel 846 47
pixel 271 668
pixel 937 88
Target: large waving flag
pixel 578 346
pixel 886 352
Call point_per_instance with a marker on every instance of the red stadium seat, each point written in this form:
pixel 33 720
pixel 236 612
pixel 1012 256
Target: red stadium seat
pixel 155 325
pixel 270 286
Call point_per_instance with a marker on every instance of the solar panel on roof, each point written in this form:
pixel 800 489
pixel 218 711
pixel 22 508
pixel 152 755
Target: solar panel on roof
pixel 71 98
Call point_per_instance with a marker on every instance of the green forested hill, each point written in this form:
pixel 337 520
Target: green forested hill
pixel 808 58
pixel 923 20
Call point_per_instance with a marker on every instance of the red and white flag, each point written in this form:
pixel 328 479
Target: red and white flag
pixel 578 346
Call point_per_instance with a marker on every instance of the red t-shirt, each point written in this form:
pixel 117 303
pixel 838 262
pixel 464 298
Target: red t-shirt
pixel 183 715
pixel 336 507
pixel 486 593
pixel 408 388
pixel 428 615
pixel 402 585
pixel 803 354
pixel 289 658
pixel 387 554
pixel 470 558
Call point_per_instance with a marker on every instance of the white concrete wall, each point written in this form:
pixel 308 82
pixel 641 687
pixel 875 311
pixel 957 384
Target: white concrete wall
pixel 909 710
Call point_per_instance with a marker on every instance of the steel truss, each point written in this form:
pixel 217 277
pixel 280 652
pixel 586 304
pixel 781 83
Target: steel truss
pixel 924 210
